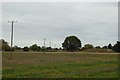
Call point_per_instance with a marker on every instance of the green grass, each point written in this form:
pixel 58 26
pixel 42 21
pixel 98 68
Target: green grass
pixel 60 65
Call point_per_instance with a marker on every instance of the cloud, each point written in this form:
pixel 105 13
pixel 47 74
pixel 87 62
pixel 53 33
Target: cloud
pixel 60 0
pixel 92 22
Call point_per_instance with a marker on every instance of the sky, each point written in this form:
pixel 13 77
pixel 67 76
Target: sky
pixel 92 22
pixel 60 0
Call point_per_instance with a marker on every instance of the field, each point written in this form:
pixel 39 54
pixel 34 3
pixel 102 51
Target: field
pixel 60 65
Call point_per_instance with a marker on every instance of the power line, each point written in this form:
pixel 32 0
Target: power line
pixel 12 22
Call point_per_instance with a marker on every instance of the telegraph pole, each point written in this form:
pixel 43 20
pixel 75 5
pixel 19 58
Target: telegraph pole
pixel 12 22
pixel 44 44
pixel 50 44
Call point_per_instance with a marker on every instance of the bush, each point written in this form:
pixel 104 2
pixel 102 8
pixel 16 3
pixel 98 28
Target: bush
pixel 26 49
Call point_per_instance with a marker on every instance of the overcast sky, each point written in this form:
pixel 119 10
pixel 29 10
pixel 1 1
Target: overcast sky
pixel 93 23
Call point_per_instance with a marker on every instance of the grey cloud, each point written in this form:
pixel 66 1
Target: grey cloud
pixel 91 22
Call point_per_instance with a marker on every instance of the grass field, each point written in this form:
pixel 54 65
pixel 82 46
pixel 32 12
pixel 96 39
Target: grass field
pixel 60 65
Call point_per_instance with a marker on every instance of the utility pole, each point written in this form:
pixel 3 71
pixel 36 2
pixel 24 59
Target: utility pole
pixel 50 44
pixel 12 22
pixel 44 44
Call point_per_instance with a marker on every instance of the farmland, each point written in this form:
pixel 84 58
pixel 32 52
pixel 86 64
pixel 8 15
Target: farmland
pixel 60 65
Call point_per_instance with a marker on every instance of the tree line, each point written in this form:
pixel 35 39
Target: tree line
pixel 4 46
pixel 71 43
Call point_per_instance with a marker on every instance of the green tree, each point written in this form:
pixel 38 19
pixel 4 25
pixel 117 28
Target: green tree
pixel 49 48
pixel 116 47
pixel 104 47
pixel 88 46
pixel 0 45
pixel 43 48
pixel 4 45
pixel 98 47
pixel 26 48
pixel 71 43
pixel 35 47
pixel 16 48
pixel 109 46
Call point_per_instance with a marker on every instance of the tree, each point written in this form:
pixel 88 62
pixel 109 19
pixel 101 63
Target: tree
pixel 60 48
pixel 34 47
pixel 98 47
pixel 88 46
pixel 25 48
pixel 109 46
pixel 43 48
pixel 104 47
pixel 71 43
pixel 116 47
pixel 39 48
pixel 4 45
pixel 49 48
pixel 16 48
pixel 1 45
